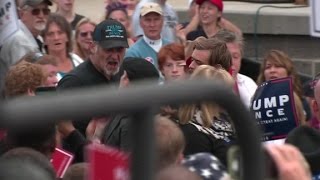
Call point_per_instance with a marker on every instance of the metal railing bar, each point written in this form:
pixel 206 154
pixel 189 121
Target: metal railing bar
pixel 90 102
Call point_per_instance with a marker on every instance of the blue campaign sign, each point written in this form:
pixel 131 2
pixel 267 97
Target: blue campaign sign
pixel 274 108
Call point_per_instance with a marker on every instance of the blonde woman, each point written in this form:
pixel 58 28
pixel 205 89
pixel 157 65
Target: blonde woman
pixel 206 126
pixel 83 38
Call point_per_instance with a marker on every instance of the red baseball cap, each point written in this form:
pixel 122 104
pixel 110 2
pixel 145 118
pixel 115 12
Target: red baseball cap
pixel 217 3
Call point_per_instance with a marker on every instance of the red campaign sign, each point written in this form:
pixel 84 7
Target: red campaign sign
pixel 107 163
pixel 60 161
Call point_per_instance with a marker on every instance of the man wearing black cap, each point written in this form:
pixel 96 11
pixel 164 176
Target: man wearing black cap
pixel 33 17
pixel 107 52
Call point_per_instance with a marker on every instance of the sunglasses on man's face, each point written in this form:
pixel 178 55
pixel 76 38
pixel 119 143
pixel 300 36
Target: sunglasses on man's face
pixel 36 11
pixel 85 34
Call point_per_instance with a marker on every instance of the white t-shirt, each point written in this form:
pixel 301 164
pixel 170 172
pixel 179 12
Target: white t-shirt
pixel 247 87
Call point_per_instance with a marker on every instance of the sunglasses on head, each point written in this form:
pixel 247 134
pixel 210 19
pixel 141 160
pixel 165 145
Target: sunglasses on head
pixel 36 11
pixel 85 34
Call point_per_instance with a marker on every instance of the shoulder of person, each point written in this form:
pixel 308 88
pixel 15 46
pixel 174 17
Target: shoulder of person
pixel 245 79
pixel 69 81
pixel 79 16
pixel 76 59
pixel 193 35
pixel 132 51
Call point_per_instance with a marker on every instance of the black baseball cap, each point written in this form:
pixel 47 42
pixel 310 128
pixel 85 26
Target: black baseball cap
pixel 110 34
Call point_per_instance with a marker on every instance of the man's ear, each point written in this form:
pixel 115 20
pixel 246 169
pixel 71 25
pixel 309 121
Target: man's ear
pixel 124 80
pixel 30 92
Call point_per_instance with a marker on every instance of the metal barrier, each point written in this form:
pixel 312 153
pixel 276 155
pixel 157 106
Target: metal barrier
pixel 140 100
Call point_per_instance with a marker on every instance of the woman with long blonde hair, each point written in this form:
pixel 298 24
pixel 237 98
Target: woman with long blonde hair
pixel 83 38
pixel 206 126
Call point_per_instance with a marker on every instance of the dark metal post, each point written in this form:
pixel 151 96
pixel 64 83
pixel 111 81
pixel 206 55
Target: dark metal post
pixel 143 156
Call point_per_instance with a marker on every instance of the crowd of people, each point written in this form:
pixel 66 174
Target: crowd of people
pixel 62 50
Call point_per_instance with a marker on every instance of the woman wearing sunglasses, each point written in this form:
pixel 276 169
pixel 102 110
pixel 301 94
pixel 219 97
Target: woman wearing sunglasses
pixel 58 42
pixel 83 38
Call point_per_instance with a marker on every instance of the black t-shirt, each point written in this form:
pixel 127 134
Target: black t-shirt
pixel 195 34
pixel 84 75
pixel 75 21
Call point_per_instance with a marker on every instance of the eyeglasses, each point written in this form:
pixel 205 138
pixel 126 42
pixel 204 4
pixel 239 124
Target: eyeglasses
pixel 36 11
pixel 85 34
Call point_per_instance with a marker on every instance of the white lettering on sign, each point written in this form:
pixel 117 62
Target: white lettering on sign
pixel 270 102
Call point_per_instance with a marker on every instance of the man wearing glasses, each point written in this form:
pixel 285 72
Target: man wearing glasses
pixel 33 17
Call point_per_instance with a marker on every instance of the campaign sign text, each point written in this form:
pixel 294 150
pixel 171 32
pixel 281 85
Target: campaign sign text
pixel 274 108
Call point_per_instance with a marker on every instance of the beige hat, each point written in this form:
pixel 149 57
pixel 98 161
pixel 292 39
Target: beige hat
pixel 150 7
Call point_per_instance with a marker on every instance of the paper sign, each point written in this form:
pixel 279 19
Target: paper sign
pixel 315 18
pixel 61 160
pixel 8 19
pixel 274 108
pixel 107 163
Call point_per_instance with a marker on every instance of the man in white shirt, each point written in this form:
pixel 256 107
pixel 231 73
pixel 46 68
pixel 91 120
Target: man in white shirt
pixel 245 85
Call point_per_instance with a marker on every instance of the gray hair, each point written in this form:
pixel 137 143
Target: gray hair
pixel 230 37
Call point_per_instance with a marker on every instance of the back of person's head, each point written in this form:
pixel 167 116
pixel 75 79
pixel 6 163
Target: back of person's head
pixel 209 110
pixel 219 53
pixel 176 172
pixel 77 171
pixel 138 69
pixel 38 137
pixel 213 73
pixel 170 142
pixel 23 78
pixel 40 58
pixel 32 57
pixel 230 37
pixel 47 60
pixel 25 163
pixel 307 140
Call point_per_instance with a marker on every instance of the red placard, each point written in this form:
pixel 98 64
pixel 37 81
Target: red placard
pixel 61 160
pixel 107 163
